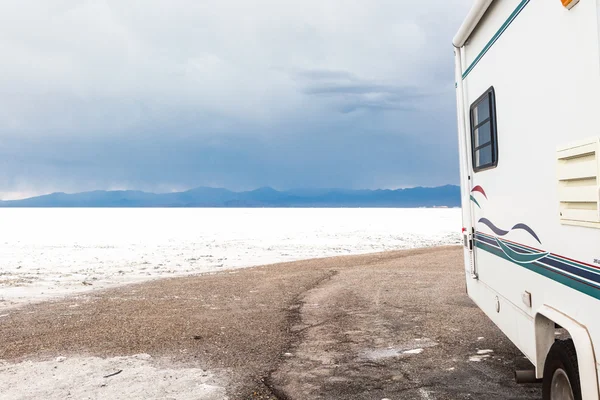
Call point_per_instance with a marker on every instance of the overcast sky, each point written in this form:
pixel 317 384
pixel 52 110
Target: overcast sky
pixel 164 95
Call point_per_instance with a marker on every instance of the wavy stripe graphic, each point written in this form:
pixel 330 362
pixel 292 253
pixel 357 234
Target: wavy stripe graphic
pixel 528 230
pixel 502 232
pixel 553 267
pixel 493 227
pixel 573 273
pixel 521 258
pixel 521 246
pixel 480 190
pixel 475 201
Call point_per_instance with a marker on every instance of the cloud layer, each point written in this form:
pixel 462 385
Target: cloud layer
pixel 164 95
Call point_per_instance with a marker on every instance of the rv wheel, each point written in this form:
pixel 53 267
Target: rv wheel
pixel 561 374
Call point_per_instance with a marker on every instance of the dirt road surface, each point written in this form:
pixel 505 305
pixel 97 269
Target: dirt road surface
pixel 395 325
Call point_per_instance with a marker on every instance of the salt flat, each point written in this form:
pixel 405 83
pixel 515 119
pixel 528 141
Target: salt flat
pixel 47 253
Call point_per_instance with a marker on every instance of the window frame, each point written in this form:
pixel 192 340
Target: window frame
pixel 491 94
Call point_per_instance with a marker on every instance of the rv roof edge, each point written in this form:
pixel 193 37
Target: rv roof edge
pixel 470 23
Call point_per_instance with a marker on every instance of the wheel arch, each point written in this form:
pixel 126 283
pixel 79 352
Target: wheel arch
pixel 545 321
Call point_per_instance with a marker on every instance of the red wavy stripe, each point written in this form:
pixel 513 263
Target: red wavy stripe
pixel 480 190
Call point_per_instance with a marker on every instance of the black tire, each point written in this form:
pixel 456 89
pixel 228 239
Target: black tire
pixel 562 355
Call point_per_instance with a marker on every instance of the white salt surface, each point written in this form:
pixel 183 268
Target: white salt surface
pixel 412 347
pixel 89 378
pixel 45 253
pixel 479 358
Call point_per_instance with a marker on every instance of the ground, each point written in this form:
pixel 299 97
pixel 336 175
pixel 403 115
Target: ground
pixel 394 325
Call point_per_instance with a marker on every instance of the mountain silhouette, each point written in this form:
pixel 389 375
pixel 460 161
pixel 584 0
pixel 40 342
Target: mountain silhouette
pixel 443 196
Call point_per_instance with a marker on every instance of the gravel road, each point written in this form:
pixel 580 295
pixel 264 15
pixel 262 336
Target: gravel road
pixel 394 325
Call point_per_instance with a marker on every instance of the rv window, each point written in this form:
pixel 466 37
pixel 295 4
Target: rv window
pixel 484 140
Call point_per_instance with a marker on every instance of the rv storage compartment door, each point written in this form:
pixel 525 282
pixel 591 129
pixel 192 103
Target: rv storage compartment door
pixel 578 183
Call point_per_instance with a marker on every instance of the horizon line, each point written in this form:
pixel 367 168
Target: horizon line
pixel 31 196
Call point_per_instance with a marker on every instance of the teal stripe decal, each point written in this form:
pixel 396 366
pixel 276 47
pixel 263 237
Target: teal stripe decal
pixel 495 38
pixel 574 264
pixel 548 273
pixel 520 258
pixel 550 256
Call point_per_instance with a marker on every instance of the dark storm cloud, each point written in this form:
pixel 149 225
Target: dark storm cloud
pixel 161 95
pixel 301 159
pixel 359 95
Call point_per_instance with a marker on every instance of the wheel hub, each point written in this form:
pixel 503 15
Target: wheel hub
pixel 561 386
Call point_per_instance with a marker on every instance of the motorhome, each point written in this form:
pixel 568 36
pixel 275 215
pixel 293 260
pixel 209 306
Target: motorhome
pixel 528 96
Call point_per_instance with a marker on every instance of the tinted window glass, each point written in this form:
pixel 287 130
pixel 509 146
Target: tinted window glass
pixel 484 135
pixel 482 111
pixel 483 156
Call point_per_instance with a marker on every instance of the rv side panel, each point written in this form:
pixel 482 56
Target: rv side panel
pixel 543 63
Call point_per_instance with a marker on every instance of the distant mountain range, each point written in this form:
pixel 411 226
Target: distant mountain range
pixel 443 196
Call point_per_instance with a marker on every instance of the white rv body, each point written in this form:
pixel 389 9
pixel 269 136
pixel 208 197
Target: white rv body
pixel 532 221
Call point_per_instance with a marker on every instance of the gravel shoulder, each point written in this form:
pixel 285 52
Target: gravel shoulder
pixel 394 325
